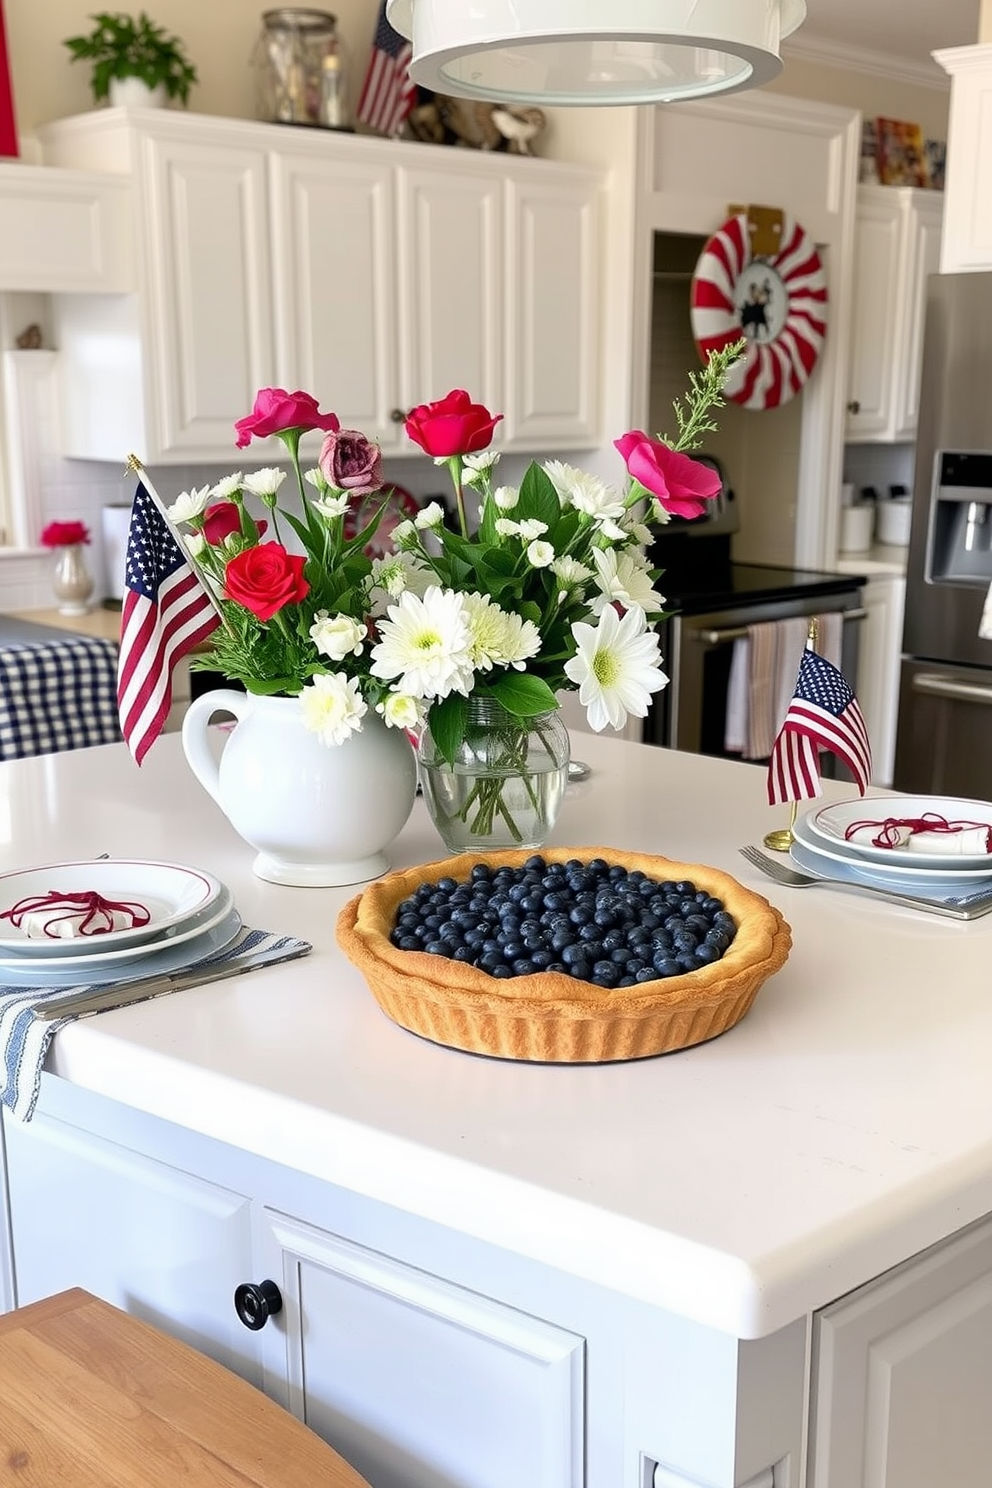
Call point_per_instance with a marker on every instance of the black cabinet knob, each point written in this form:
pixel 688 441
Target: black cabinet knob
pixel 854 406
pixel 398 416
pixel 255 1303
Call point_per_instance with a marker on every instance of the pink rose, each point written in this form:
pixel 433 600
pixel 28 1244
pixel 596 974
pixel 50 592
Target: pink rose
pixel 681 484
pixel 64 534
pixel 452 426
pixel 277 411
pixel 266 579
pixel 350 462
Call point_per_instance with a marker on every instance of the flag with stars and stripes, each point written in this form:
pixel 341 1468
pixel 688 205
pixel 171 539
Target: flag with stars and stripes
pixel 388 95
pixel 167 613
pixel 823 714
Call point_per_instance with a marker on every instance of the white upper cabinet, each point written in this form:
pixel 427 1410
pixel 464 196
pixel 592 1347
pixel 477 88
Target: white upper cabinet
pixel 374 274
pixel 896 247
pixel 64 230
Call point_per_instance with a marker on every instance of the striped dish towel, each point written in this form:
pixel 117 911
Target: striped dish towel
pixel 24 1038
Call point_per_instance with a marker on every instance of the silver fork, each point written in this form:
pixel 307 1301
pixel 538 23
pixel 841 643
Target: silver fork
pixel 967 907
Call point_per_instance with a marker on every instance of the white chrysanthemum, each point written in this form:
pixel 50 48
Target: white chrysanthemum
pixel 615 668
pixel 611 530
pixel 540 554
pixel 624 577
pixel 658 512
pixel 585 492
pixel 531 527
pixel 332 504
pixel 333 707
pixel 499 638
pixel 337 636
pixel 401 711
pixel 506 497
pixel 431 515
pixel 570 573
pixel 403 532
pixel 189 504
pixel 637 532
pixel 392 575
pixel 227 486
pixel 195 544
pixel 426 644
pixel 264 482
pixel 507 527
pixel 480 460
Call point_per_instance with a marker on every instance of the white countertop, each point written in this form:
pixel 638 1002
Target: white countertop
pixel 843 1125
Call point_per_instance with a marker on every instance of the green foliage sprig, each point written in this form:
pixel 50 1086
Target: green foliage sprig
pixel 120 46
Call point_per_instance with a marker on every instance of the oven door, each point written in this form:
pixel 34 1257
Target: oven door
pixel 691 712
pixel 944 735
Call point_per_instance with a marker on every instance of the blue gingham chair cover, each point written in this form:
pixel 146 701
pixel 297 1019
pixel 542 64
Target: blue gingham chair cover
pixel 57 695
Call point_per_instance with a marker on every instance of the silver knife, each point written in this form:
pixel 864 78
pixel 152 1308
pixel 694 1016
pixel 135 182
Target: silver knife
pixel 140 990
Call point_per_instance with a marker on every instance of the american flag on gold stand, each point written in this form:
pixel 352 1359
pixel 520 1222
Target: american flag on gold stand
pixel 167 613
pixel 823 714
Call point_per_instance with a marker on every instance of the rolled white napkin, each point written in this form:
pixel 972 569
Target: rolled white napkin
pixel 970 841
pixel 65 924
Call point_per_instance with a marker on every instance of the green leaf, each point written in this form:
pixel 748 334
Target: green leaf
pixel 447 725
pixel 522 694
pixel 538 498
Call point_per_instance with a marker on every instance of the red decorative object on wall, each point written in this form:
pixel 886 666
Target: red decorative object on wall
pixel 778 301
pixel 8 126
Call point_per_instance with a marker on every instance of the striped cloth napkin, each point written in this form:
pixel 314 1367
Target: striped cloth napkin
pixel 24 1039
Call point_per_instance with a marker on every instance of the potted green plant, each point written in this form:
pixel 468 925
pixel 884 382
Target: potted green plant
pixel 124 51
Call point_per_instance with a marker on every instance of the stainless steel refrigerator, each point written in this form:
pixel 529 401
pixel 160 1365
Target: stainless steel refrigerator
pixel 944 731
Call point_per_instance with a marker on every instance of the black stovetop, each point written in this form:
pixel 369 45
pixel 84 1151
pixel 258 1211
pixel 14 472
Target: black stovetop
pixel 699 576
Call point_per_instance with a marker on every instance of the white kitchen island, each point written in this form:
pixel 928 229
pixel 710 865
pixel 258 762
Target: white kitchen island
pixel 500 1275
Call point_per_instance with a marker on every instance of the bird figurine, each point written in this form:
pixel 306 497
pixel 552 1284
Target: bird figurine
pixel 518 126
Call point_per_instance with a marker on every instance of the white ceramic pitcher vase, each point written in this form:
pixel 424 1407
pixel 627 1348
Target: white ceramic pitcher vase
pixel 317 815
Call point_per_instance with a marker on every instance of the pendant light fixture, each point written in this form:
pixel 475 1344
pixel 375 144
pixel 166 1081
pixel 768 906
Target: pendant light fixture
pixel 589 52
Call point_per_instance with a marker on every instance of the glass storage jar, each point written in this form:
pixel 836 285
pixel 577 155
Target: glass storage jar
pixel 299 71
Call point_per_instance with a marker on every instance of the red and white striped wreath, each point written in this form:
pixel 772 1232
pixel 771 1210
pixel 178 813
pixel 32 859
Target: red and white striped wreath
pixel 779 302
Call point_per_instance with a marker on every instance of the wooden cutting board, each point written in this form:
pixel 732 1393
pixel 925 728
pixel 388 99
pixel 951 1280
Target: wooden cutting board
pixel 92 1397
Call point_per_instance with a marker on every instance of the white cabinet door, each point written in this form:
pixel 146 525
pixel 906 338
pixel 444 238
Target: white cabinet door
pixel 160 1242
pixel 450 262
pixel 902 1375
pixel 334 231
pixel 896 246
pixel 878 669
pixel 552 388
pixel 418 1382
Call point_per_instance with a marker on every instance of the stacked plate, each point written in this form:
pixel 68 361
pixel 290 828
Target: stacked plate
pixel 191 915
pixel 822 846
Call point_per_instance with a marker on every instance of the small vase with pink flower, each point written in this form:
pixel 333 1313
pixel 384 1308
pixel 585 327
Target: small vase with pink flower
pixel 72 582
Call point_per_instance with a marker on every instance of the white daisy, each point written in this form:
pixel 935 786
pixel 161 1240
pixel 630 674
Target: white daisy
pixel 337 636
pixel 195 544
pixel 431 515
pixel 506 527
pixel 315 478
pixel 615 668
pixel 540 554
pixel 227 487
pixel 403 532
pixel 332 504
pixel 426 644
pixel 499 638
pixel 264 483
pixel 480 460
pixel 189 504
pixel 333 707
pixel 585 492
pixel 506 497
pixel 531 527
pixel 570 573
pixel 623 577
pixel 401 711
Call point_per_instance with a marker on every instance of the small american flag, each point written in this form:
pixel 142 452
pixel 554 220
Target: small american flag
pixel 167 612
pixel 823 714
pixel 387 95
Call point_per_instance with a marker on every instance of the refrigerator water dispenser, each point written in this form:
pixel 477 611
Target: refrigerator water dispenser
pixel 960 531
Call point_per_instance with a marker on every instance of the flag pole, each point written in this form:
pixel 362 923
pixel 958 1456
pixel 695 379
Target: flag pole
pixel 135 467
pixel 783 837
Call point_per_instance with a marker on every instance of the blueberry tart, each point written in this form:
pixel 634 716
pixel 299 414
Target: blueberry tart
pixel 571 955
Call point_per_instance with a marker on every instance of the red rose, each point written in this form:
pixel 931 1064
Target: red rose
pixel 350 462
pixel 453 426
pixel 681 484
pixel 64 534
pixel 221 520
pixel 276 411
pixel 265 579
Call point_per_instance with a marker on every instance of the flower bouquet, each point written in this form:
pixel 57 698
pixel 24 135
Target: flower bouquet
pixel 64 534
pixel 545 590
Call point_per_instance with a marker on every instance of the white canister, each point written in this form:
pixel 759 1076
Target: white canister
pixel 115 523
pixel 892 521
pixel 856 526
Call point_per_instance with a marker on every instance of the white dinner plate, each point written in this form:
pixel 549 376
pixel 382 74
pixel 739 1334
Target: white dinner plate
pixel 94 972
pixel 828 824
pixel 110 960
pixel 954 890
pixel 174 896
pixel 923 880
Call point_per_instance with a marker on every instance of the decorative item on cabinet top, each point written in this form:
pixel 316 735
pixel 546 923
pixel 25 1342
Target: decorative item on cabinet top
pixel 300 72
pixel 125 50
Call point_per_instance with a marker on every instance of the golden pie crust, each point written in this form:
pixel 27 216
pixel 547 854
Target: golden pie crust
pixel 549 1016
